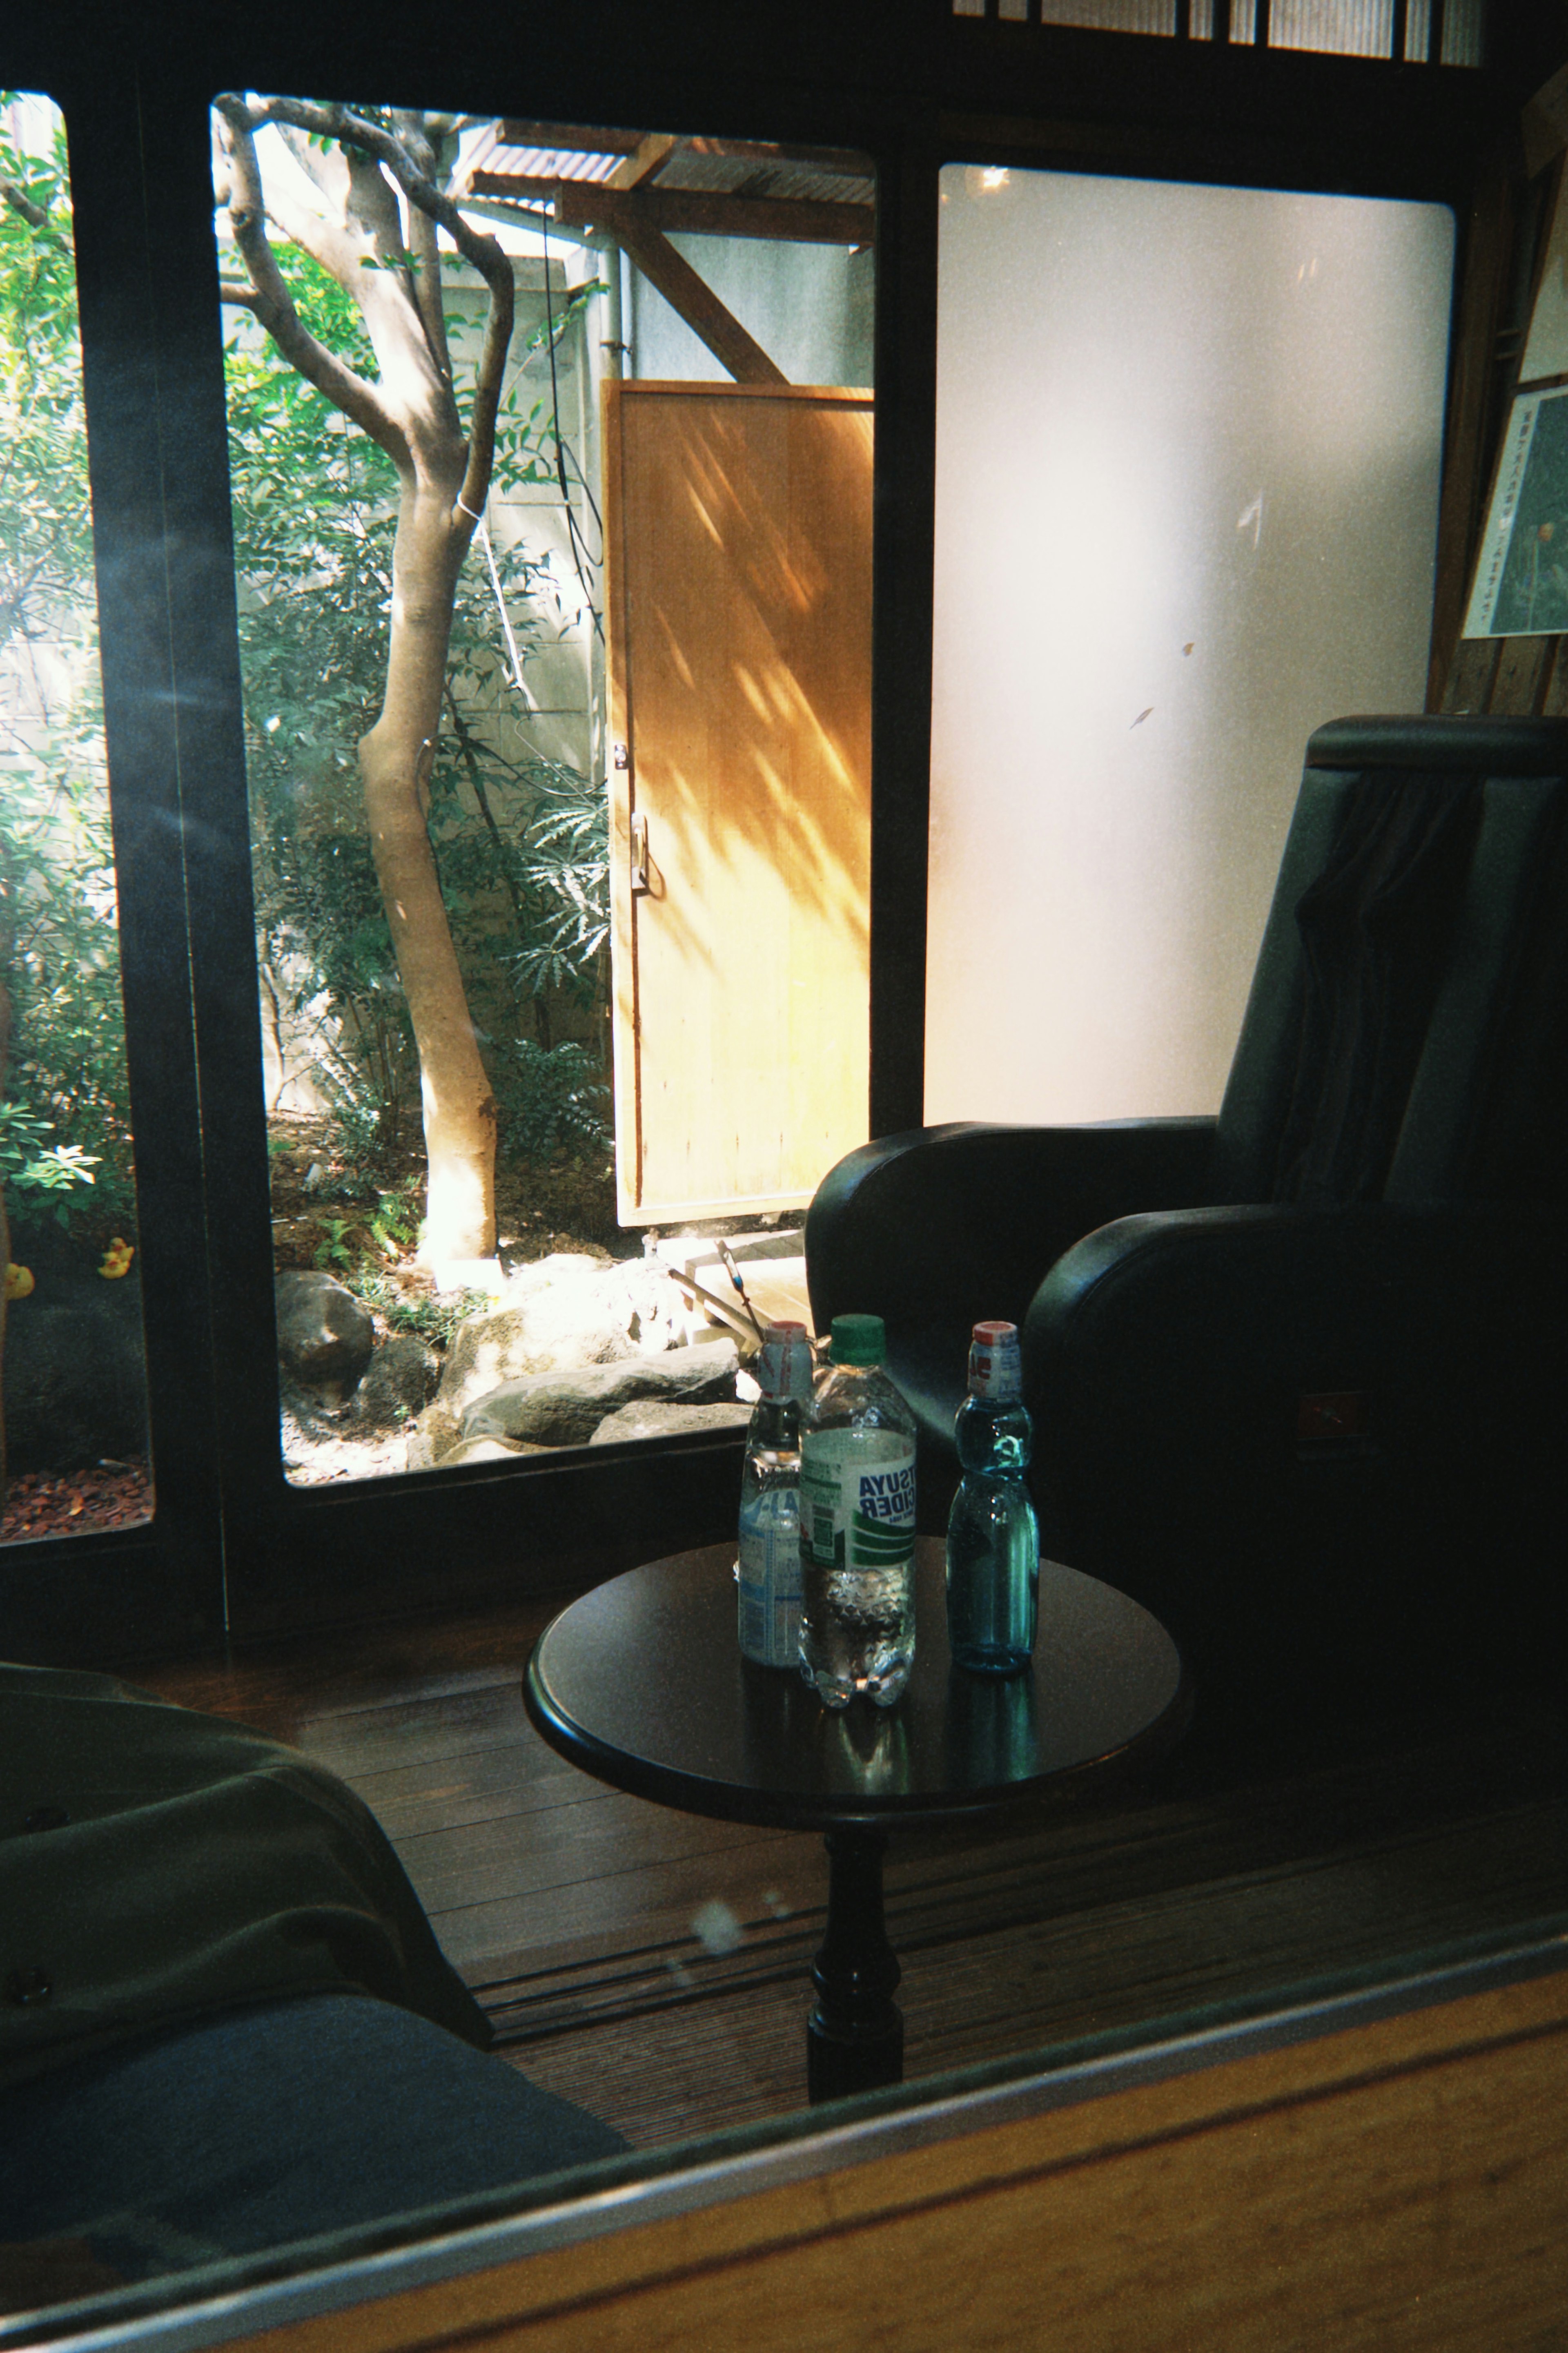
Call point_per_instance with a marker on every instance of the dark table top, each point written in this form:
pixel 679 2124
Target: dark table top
pixel 642 1684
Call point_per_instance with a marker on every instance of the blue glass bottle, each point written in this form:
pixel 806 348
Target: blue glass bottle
pixel 992 1537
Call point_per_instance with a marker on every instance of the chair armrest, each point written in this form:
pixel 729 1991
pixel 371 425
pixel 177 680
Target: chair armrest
pixel 967 1218
pixel 1171 1364
pixel 936 1228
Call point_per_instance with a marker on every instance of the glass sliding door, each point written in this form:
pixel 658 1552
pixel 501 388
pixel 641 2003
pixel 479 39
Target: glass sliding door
pixel 551 459
pixel 74 1370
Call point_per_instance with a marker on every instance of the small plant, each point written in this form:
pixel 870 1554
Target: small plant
pixel 333 1250
pixel 30 1168
pixel 426 1316
pixel 396 1225
pixel 552 1095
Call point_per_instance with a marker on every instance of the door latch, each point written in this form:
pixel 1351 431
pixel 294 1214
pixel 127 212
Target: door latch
pixel 639 855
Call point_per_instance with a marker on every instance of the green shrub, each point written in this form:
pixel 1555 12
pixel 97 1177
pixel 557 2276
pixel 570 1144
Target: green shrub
pixel 68 1150
pixel 550 1096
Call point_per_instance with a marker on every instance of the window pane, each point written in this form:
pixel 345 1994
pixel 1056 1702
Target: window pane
pixel 1188 445
pixel 559 767
pixel 1356 28
pixel 75 1389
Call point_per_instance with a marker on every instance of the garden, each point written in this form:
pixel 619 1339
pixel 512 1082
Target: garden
pixel 74 1443
pixel 429 847
pixel 414 364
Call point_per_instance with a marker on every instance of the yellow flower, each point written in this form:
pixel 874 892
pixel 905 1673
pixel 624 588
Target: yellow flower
pixel 117 1260
pixel 18 1282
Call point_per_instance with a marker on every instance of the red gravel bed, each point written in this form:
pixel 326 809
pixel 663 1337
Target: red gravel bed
pixel 68 1503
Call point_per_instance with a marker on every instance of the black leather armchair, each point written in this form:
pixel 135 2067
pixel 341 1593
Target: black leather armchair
pixel 1299 1372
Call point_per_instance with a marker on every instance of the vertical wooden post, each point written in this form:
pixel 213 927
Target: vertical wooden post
pixel 1484 269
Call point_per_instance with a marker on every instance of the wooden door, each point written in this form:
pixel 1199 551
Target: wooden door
pixel 738 526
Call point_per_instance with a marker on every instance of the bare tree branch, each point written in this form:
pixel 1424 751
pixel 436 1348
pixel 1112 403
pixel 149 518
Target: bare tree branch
pixel 415 131
pixel 488 380
pixel 322 165
pixel 20 202
pixel 274 305
pixel 241 298
pixel 340 122
pixel 318 233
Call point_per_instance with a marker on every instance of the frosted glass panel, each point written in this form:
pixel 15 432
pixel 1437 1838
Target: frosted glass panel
pixel 1187 459
pixel 1112 15
pixel 1356 28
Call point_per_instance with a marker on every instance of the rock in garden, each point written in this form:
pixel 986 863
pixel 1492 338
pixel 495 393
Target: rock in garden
pixel 432 1437
pixel 561 1312
pixel 535 1272
pixel 566 1408
pixel 400 1383
pixel 308 1417
pixel 324 1335
pixel 656 1417
pixel 486 1449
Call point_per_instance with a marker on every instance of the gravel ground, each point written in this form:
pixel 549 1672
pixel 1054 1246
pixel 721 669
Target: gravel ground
pixel 48 1503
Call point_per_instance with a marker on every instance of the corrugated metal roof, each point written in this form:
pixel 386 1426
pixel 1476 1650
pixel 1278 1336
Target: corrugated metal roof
pixel 542 162
pixel 693 166
pixel 744 175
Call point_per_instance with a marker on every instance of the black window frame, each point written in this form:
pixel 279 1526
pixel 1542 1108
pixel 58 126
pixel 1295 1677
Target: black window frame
pixel 233 1549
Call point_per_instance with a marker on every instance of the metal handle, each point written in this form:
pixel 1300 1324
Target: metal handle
pixel 639 855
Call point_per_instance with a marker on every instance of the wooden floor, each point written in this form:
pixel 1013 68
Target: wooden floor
pixel 655 1966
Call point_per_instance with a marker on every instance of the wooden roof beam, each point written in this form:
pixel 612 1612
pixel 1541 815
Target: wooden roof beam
pixel 633 170
pixel 572 138
pixel 694 300
pixel 703 212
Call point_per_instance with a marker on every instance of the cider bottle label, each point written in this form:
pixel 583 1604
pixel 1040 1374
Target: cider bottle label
pixel 858 1499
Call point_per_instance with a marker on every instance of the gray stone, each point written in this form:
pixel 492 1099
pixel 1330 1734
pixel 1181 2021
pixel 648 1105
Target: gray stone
pixel 309 1414
pixel 653 1418
pixel 566 1408
pixel 484 1450
pixel 400 1383
pixel 561 1312
pixel 324 1335
pixel 535 1273
pixel 432 1437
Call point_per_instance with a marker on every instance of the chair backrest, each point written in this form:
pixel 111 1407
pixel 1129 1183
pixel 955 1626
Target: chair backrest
pixel 1405 1034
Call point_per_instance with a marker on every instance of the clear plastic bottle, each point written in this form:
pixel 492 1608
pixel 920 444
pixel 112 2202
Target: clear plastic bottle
pixel 857 1524
pixel 768 1568
pixel 993 1536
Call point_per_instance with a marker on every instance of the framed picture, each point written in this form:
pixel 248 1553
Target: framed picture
pixel 1521 578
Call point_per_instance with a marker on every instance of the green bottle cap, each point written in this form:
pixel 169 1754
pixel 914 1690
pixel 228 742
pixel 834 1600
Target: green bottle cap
pixel 859 1340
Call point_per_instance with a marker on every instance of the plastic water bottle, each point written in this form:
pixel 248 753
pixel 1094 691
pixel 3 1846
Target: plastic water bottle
pixel 768 1568
pixel 857 1524
pixel 992 1537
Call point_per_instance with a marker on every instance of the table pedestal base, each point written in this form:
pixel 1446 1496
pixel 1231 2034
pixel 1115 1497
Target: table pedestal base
pixel 854 2036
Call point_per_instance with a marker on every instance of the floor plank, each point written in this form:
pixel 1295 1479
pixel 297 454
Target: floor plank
pixel 738 2056
pixel 656 1966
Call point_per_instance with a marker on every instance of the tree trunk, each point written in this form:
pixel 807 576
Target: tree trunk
pixel 394 765
pixel 382 249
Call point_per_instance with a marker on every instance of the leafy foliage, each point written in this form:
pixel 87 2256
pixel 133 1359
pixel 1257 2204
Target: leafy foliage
pixel 31 1167
pixel 66 1127
pixel 432 1317
pixel 552 1095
